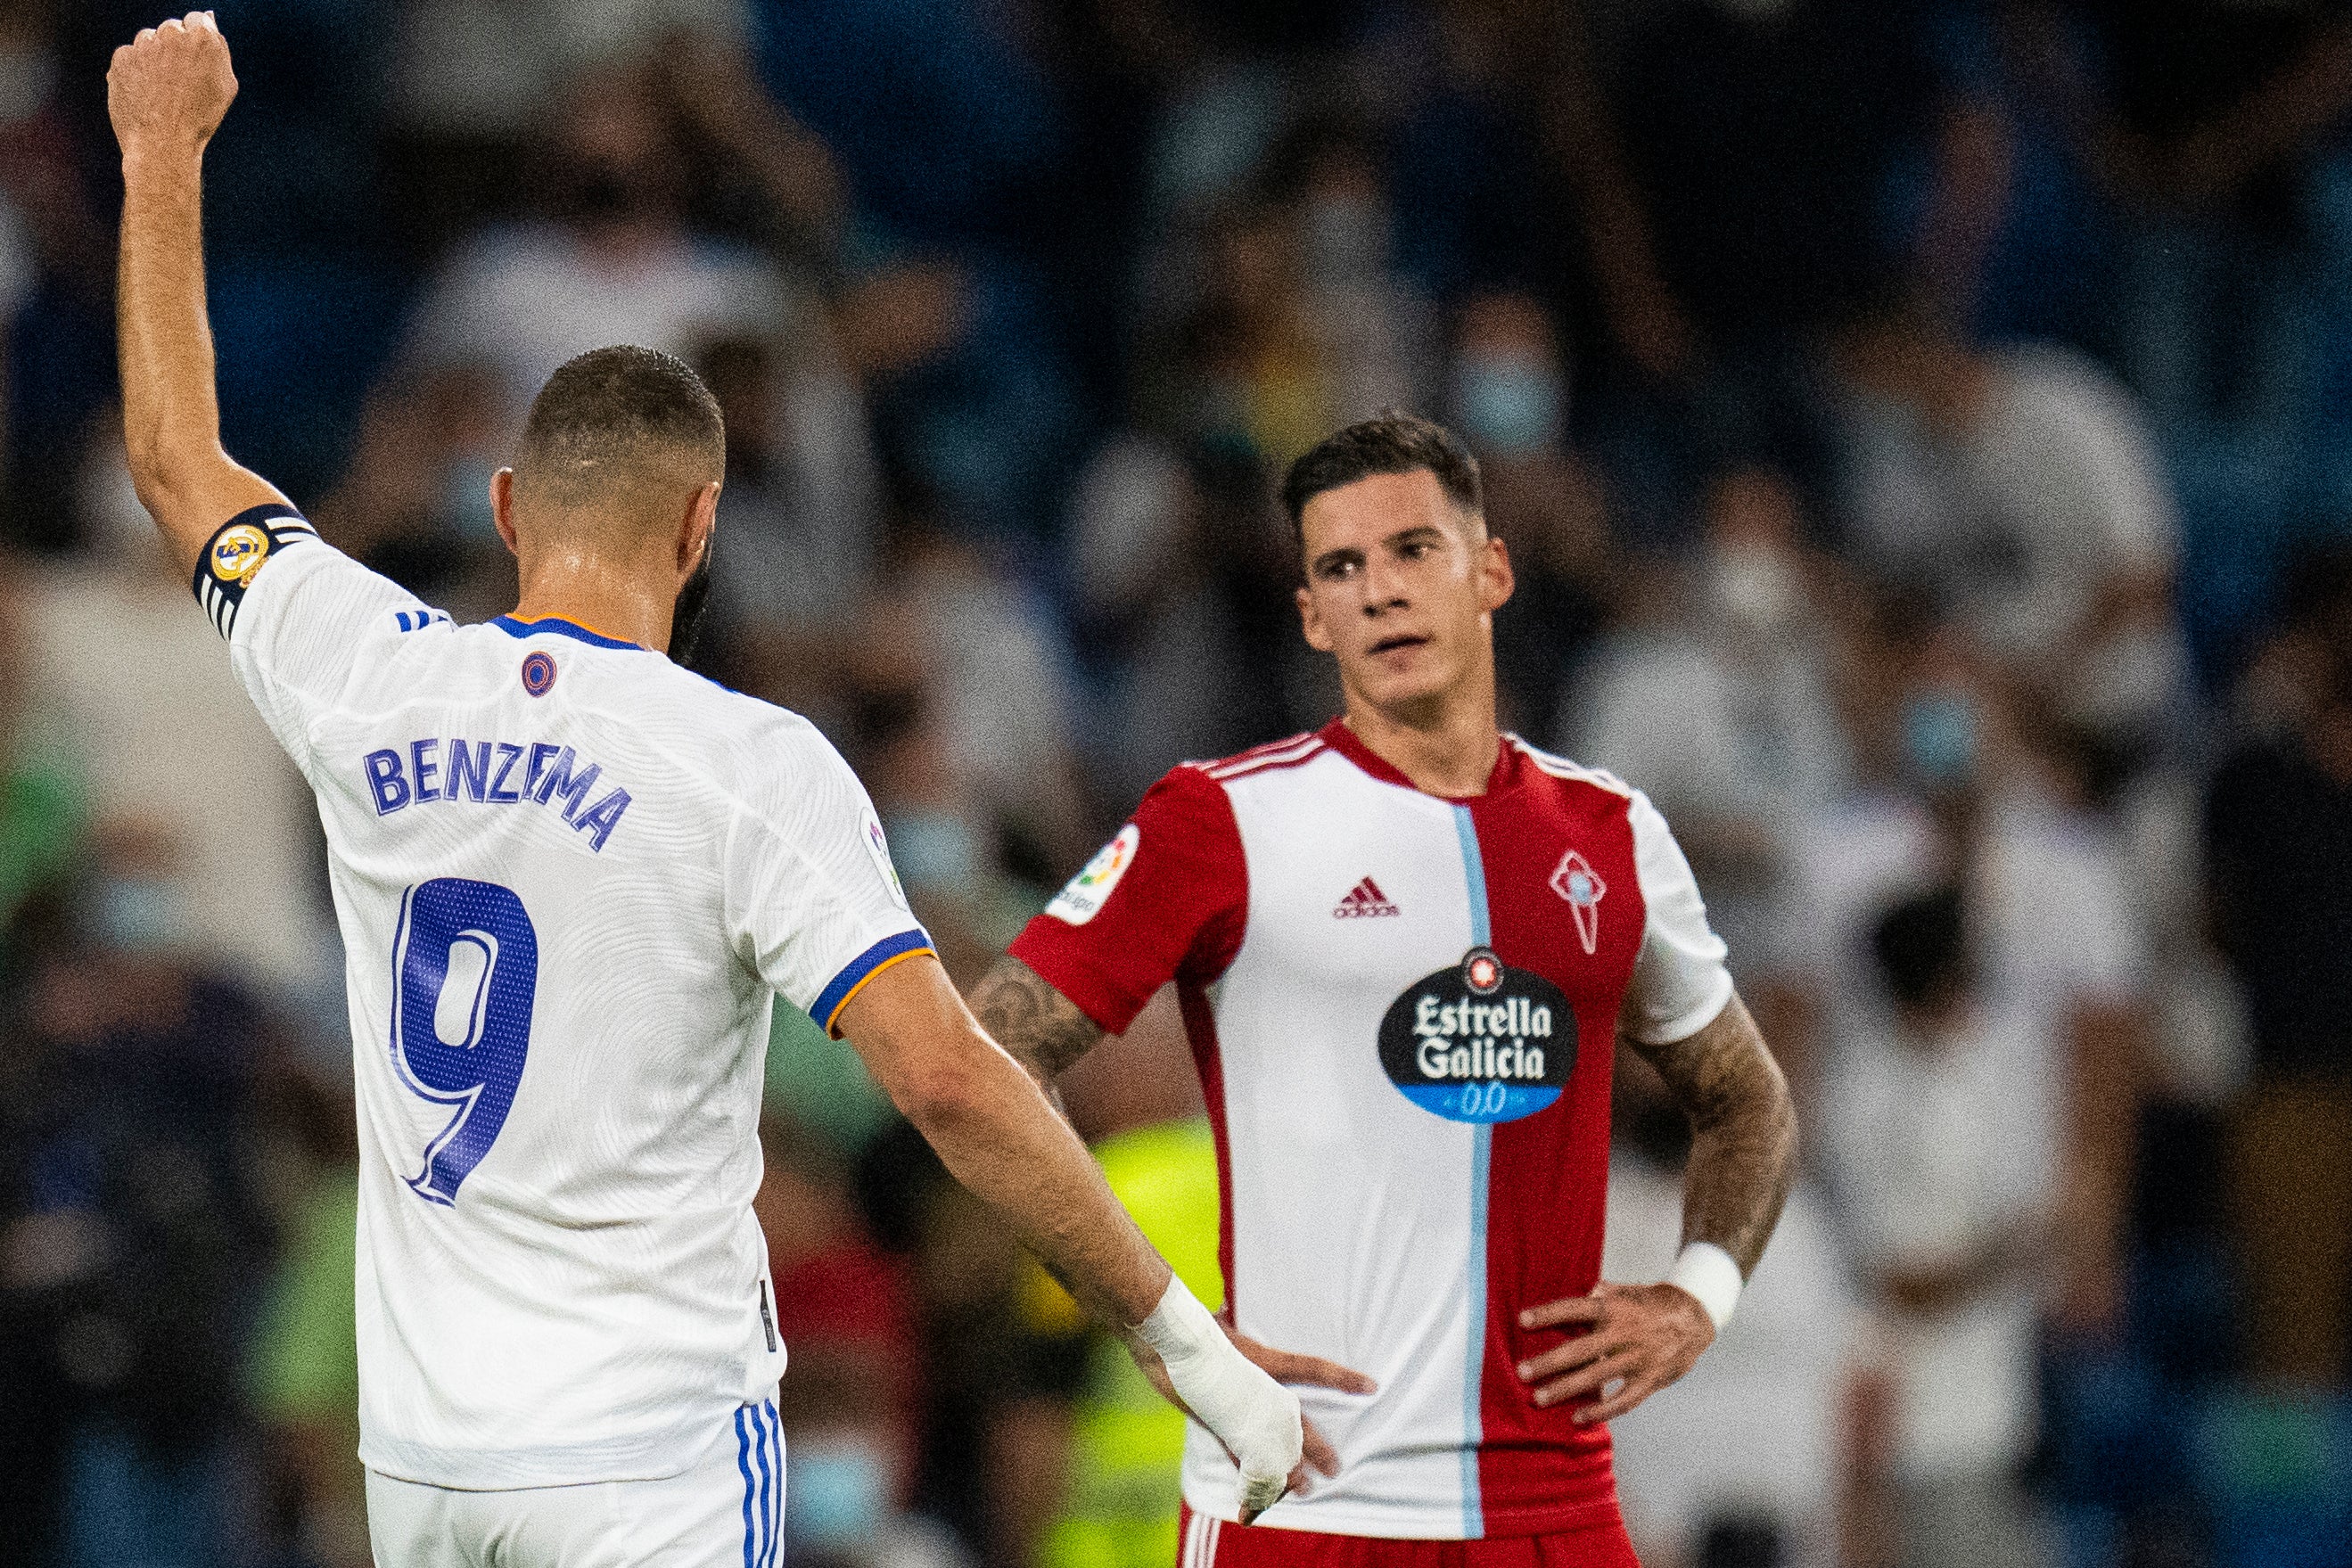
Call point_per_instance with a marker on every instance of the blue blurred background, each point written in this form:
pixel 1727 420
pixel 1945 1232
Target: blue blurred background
pixel 1922 429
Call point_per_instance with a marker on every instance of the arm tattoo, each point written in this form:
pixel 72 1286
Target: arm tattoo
pixel 1744 1132
pixel 1042 1029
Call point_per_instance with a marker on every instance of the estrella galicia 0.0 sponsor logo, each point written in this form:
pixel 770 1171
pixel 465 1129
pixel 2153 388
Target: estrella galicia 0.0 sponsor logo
pixel 1479 1040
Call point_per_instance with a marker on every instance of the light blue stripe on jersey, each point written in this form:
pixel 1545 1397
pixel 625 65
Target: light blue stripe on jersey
pixel 1481 1145
pixel 828 1003
pixel 776 1512
pixel 561 628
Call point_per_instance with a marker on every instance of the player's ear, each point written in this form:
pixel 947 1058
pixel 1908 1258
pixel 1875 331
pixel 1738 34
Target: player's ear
pixel 502 507
pixel 1496 579
pixel 701 522
pixel 1311 621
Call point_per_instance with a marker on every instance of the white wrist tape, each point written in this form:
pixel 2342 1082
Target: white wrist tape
pixel 1707 1271
pixel 1249 1412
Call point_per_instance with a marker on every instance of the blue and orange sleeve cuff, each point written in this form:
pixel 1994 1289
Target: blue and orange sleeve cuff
pixel 853 975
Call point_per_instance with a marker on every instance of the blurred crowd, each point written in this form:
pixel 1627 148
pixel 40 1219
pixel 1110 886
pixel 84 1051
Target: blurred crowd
pixel 1923 432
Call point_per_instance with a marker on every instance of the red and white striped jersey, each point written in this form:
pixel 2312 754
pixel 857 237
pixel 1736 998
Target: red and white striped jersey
pixel 1404 1009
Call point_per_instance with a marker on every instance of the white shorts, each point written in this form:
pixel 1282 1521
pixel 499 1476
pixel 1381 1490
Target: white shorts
pixel 724 1511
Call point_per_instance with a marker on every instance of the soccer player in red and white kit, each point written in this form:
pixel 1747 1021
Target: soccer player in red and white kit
pixel 1406 946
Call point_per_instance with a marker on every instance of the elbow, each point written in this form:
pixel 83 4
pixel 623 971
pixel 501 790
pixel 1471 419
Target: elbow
pixel 940 1095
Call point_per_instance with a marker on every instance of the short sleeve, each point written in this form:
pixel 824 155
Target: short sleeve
pixel 813 903
pixel 300 616
pixel 1680 982
pixel 1166 899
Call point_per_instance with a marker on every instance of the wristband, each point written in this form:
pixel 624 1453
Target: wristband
pixel 1707 1273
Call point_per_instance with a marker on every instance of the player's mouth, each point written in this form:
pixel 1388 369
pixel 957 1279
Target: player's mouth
pixel 1402 640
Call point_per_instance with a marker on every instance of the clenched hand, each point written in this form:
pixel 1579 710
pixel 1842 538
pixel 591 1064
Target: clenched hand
pixel 168 88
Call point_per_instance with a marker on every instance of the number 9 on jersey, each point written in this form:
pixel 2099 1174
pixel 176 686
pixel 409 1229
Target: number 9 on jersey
pixel 464 966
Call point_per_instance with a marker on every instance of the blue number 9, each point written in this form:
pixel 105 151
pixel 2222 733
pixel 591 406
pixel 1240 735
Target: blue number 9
pixel 477 934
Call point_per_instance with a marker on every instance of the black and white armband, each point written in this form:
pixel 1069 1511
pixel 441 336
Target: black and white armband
pixel 236 552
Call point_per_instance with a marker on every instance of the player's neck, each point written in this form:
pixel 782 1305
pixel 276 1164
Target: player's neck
pixel 590 592
pixel 1447 748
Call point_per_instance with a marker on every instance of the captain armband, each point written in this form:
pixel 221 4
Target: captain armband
pixel 235 551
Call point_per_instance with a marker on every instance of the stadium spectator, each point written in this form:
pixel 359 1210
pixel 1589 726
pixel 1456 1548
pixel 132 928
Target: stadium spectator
pixel 2203 122
pixel 471 83
pixel 2022 485
pixel 1958 793
pixel 1508 391
pixel 41 786
pixel 609 260
pixel 1751 1441
pixel 132 1227
pixel 1941 1155
pixel 177 761
pixel 802 504
pixel 849 1397
pixel 1720 705
pixel 2278 835
pixel 302 1368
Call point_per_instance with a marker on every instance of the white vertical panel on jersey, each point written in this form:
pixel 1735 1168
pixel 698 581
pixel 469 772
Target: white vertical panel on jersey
pixel 1358 1216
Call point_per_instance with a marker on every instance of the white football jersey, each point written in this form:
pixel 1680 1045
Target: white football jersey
pixel 569 875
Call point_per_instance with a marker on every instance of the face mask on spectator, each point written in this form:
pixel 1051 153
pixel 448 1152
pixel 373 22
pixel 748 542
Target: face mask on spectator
pixel 138 913
pixel 1508 405
pixel 836 1492
pixel 1939 736
pixel 1754 586
pixel 935 850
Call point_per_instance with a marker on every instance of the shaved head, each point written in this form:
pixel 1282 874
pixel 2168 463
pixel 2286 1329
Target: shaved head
pixel 616 440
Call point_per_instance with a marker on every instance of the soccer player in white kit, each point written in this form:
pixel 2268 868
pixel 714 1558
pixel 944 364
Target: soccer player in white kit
pixel 1407 947
pixel 569 876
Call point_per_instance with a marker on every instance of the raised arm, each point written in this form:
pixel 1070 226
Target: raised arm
pixel 992 1126
pixel 167 92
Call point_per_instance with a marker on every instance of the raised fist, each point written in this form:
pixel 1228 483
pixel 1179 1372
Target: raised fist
pixel 168 88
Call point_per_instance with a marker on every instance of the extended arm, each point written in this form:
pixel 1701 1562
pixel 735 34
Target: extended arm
pixel 166 93
pixel 1743 1154
pixel 999 1136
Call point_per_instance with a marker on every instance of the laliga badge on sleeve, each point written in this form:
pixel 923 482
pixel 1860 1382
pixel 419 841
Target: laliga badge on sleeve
pixel 878 846
pixel 1089 890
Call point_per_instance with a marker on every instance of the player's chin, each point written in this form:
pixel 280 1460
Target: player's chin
pixel 1411 674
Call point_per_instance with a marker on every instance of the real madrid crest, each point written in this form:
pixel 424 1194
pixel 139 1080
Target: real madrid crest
pixel 237 553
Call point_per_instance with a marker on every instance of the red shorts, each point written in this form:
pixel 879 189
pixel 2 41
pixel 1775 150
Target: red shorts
pixel 1206 1542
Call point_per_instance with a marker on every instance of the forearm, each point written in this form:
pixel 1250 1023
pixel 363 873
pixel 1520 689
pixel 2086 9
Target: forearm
pixel 1037 1026
pixel 989 1121
pixel 171 418
pixel 169 409
pixel 1744 1133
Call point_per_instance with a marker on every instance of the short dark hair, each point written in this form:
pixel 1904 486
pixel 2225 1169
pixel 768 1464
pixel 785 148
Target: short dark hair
pixel 610 411
pixel 1388 443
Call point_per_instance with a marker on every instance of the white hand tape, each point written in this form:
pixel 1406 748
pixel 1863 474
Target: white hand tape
pixel 1250 1413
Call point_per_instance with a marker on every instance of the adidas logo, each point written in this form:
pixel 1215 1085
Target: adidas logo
pixel 1364 901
